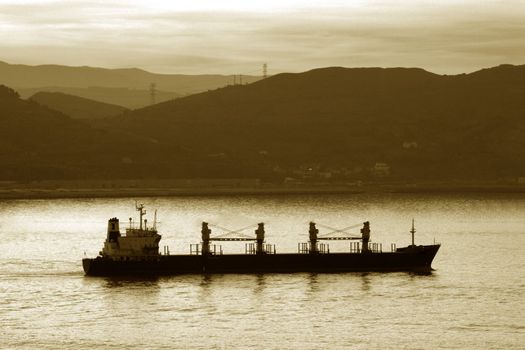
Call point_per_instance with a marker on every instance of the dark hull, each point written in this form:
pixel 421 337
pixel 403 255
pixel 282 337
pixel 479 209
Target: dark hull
pixel 408 259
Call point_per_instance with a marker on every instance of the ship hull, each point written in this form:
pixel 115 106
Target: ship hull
pixel 406 259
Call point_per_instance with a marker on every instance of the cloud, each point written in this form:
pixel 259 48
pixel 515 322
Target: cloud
pixel 450 37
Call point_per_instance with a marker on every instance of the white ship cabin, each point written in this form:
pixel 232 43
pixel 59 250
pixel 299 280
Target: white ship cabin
pixel 139 243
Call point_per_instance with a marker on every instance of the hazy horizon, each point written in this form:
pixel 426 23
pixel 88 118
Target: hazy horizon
pixel 235 37
pixel 254 73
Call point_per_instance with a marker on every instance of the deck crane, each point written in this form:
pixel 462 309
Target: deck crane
pixel 313 247
pixel 259 247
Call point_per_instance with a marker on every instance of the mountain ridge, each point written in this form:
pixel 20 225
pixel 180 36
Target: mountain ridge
pixel 129 87
pixel 77 107
pixel 331 124
pixel 85 76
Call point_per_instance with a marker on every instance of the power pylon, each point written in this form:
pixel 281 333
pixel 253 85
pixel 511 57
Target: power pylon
pixel 152 93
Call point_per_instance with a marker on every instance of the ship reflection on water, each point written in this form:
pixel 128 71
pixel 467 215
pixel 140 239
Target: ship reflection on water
pixel 127 282
pixel 258 281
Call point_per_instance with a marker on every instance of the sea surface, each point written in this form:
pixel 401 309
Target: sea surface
pixel 475 298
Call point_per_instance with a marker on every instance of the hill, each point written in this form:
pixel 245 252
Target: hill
pixel 330 124
pixel 354 123
pixel 40 143
pixel 77 107
pixel 128 98
pixel 59 78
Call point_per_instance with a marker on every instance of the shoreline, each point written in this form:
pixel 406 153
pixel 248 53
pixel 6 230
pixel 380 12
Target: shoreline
pixel 63 193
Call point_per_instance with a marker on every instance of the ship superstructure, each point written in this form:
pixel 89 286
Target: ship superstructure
pixel 139 242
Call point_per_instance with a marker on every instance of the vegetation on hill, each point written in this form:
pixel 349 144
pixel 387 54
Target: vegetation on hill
pixel 40 143
pixel 346 121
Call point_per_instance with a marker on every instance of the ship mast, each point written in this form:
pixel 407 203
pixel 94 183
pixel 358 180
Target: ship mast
pixel 140 208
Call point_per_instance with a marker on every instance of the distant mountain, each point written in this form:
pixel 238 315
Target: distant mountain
pixel 45 76
pixel 329 124
pixel 347 121
pixel 128 98
pixel 77 107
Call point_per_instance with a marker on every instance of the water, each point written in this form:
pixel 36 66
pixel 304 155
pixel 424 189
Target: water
pixel 474 299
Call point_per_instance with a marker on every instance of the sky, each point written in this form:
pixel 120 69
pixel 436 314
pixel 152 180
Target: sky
pixel 238 37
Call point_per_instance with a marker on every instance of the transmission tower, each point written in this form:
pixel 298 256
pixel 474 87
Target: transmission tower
pixel 265 71
pixel 152 93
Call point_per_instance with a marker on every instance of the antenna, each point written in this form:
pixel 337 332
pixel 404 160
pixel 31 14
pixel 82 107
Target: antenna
pixel 155 220
pixel 412 231
pixel 152 93
pixel 265 71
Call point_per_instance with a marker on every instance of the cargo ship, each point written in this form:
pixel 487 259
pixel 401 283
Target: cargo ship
pixel 135 252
